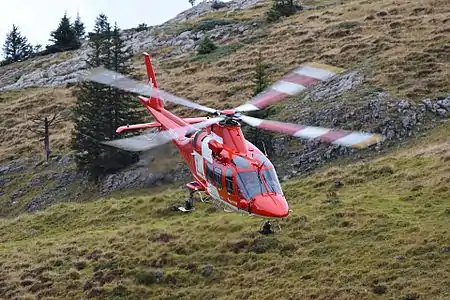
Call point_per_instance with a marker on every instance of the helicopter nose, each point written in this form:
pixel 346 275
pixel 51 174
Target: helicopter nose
pixel 268 205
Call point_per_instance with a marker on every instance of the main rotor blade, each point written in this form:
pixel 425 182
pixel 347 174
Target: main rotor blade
pixel 146 142
pixel 291 84
pixel 354 139
pixel 117 80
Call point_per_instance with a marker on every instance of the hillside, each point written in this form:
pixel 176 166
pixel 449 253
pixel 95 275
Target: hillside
pixel 386 236
pixel 403 47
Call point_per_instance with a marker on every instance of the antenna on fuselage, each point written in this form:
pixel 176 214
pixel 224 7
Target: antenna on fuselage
pixel 265 150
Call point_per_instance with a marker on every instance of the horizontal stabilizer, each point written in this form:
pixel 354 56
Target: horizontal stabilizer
pixel 157 124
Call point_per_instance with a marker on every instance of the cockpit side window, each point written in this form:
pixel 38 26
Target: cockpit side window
pixel 263 159
pixel 241 162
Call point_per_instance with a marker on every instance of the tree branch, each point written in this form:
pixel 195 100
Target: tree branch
pixel 35 130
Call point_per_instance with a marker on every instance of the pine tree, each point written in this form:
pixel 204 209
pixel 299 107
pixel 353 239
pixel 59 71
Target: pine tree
pixel 260 138
pixel 79 28
pixel 261 79
pixel 101 109
pixel 64 38
pixel 16 46
pixel 192 2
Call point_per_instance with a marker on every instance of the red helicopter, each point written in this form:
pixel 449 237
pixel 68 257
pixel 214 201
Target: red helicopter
pixel 226 166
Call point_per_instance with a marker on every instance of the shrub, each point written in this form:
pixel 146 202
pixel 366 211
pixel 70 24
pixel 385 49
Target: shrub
pixel 218 4
pixel 218 53
pixel 206 46
pixel 282 8
pixel 141 27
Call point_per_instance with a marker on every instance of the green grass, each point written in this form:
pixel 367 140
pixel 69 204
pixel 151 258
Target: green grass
pixel 218 53
pixel 384 236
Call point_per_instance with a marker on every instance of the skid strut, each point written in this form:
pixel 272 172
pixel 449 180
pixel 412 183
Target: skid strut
pixel 193 187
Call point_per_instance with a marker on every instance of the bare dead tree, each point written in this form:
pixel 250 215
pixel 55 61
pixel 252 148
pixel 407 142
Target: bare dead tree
pixel 41 126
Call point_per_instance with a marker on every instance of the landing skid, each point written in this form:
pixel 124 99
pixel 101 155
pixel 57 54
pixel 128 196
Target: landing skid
pixel 193 187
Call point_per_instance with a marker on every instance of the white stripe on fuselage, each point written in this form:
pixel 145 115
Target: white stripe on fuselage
pixel 206 152
pixel 199 164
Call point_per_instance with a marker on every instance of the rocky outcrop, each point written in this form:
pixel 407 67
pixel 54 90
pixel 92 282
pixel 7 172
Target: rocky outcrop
pixel 346 104
pixel 140 178
pixel 32 185
pixel 205 7
pixel 63 68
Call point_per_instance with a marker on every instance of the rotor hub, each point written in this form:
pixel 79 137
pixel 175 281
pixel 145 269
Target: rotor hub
pixel 229 112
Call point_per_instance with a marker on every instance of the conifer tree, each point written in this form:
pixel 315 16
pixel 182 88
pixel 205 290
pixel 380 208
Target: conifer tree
pixel 64 38
pixel 78 27
pixel 16 46
pixel 101 109
pixel 260 138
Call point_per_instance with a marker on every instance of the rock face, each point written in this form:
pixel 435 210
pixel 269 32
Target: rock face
pixel 58 181
pixel 344 103
pixel 58 69
pixel 207 6
pixel 140 178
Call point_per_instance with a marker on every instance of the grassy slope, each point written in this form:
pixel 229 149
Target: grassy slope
pixel 17 111
pixel 388 233
pixel 403 43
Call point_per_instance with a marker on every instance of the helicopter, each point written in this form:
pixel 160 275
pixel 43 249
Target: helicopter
pixel 227 167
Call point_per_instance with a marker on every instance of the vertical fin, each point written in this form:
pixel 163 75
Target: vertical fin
pixel 155 102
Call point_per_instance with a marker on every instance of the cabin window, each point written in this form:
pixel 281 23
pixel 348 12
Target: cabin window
pixel 209 172
pixel 218 177
pixel 229 181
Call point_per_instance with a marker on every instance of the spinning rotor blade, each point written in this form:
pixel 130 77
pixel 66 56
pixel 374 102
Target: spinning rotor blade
pixel 117 80
pixel 353 139
pixel 291 84
pixel 145 142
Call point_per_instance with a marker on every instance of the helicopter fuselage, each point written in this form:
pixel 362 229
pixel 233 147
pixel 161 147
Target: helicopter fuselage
pixel 227 166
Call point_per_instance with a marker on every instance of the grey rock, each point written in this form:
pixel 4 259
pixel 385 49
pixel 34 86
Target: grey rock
pixel 441 112
pixel 444 104
pixel 140 177
pixel 377 111
pixel 207 270
pixel 37 181
pixel 159 274
pixel 184 35
pixel 403 104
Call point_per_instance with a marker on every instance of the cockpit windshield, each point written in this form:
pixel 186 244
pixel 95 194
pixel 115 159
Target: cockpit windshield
pixel 250 184
pixel 271 179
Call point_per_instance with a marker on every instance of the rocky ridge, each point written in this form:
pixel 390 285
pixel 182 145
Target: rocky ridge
pixel 65 68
